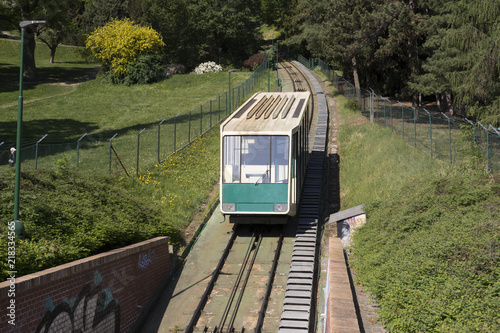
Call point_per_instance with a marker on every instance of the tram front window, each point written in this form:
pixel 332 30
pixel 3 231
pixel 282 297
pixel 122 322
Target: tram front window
pixel 256 159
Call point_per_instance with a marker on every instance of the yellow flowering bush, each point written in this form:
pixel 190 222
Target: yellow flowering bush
pixel 120 42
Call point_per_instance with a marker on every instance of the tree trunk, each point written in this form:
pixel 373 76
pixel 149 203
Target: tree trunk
pixel 356 80
pixel 29 67
pixel 449 103
pixel 52 54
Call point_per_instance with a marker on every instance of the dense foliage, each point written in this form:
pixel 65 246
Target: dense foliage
pixel 430 254
pixel 120 42
pixel 446 50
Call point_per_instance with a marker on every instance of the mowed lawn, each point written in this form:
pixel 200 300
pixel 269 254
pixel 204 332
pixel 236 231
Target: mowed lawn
pixel 67 102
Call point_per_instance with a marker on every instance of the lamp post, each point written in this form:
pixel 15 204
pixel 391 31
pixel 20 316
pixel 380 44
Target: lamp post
pixel 230 71
pixel 19 228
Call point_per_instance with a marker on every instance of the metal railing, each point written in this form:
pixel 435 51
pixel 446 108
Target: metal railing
pixel 123 153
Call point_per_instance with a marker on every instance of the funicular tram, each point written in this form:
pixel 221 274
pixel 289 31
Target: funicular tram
pixel 264 154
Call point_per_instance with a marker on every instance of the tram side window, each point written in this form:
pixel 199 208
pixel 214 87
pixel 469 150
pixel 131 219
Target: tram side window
pixel 232 160
pixel 279 159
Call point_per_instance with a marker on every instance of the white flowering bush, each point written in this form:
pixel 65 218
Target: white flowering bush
pixel 208 67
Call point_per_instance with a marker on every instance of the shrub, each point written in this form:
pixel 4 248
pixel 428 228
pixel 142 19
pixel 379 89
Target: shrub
pixel 120 42
pixel 147 68
pixel 352 105
pixel 208 67
pixel 255 60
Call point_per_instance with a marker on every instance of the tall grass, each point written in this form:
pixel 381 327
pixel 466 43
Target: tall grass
pixel 374 162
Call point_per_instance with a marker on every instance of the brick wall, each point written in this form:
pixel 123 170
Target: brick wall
pixel 102 293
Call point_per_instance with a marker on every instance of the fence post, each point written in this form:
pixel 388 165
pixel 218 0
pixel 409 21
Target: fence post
pixel 211 113
pixel 487 147
pixel 473 127
pixel 201 119
pixel 36 151
pixel 175 131
pixel 189 127
pixel 137 164
pixel 497 132
pixel 449 135
pixel 371 104
pixel 415 125
pixel 110 148
pixel 78 150
pixel 430 128
pixel 159 124
pixel 402 118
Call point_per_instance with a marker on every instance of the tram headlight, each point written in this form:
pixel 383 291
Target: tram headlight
pixel 280 207
pixel 228 207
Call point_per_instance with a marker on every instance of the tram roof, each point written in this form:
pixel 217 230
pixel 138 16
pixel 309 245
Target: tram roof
pixel 267 113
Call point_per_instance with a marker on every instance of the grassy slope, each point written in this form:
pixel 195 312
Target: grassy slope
pixel 68 214
pixel 431 247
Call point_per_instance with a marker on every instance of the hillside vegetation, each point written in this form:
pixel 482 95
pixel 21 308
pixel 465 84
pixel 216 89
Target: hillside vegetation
pixel 430 250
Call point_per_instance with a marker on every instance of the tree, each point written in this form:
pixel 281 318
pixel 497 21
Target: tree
pixel 202 30
pixel 120 42
pixel 60 25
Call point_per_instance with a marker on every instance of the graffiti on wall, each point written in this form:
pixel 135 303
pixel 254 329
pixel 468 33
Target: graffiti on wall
pixel 93 310
pixel 146 259
pixel 349 226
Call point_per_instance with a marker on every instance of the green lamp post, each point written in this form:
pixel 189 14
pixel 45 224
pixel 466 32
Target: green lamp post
pixel 19 228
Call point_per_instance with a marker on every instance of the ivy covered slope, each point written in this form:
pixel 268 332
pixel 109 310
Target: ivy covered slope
pixel 431 254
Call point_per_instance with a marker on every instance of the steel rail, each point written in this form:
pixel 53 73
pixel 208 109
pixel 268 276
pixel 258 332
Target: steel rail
pixel 269 286
pixel 245 282
pixel 236 284
pixel 211 284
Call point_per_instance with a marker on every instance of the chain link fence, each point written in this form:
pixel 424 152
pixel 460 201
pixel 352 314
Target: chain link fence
pixel 434 132
pixel 125 154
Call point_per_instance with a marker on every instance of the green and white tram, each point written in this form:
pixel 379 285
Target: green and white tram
pixel 264 153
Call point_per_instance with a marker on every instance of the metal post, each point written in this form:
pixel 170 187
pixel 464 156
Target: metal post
pixel 229 78
pixel 487 147
pixel 430 128
pixel 371 104
pixel 402 118
pixel 18 225
pixel 78 150
pixel 175 132
pixel 473 127
pixel 189 127
pixel 277 64
pixel 415 125
pixel 211 113
pixel 36 151
pixel 449 135
pixel 110 148
pixel 201 119
pixel 159 124
pixel 137 165
pixel 268 75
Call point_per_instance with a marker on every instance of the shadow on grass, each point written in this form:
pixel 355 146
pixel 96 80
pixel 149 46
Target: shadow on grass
pixel 9 76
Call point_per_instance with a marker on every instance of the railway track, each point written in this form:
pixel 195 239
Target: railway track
pixel 229 303
pixel 238 295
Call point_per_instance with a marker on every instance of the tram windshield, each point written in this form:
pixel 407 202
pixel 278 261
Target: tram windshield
pixel 256 159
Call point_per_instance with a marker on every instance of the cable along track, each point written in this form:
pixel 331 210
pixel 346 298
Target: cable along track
pixel 298 314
